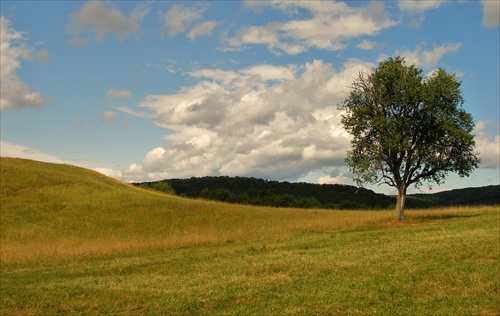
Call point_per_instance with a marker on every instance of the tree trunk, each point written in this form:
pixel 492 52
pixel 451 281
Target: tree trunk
pixel 400 203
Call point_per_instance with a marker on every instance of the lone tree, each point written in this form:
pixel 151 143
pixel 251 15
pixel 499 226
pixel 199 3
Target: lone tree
pixel 407 129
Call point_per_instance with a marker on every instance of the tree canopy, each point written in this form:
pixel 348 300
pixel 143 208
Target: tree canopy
pixel 407 129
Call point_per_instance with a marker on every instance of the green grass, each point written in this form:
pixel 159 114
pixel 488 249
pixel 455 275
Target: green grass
pixel 75 242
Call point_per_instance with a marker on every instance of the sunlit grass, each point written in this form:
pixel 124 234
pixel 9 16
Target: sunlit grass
pixel 59 211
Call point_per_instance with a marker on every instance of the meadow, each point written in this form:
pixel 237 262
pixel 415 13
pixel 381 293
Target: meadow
pixel 76 242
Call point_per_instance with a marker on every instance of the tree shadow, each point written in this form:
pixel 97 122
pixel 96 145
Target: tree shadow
pixel 444 216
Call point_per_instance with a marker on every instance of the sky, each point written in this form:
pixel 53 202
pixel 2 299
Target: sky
pixel 144 91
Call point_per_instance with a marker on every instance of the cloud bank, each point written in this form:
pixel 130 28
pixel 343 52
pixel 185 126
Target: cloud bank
pixel 427 58
pixel 180 18
pixel 16 151
pixel 274 122
pixel 265 121
pixel 491 13
pixel 102 19
pixel 330 26
pixel 487 146
pixel 15 94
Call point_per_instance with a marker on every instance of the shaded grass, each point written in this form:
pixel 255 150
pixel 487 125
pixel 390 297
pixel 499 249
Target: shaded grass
pixel 75 242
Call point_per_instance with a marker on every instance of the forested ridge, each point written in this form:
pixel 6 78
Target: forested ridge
pixel 487 195
pixel 253 191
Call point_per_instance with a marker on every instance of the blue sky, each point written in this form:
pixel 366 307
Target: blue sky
pixel 144 91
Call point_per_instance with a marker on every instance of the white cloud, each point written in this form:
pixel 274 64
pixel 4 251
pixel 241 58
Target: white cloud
pixel 116 93
pixel 337 176
pixel 419 5
pixel 329 25
pixel 226 77
pixel 18 151
pixel 15 94
pixel 180 18
pixel 103 18
pixel 202 29
pixel 257 75
pixel 487 146
pixel 117 174
pixel 269 72
pixel 491 12
pixel 267 121
pixel 134 112
pixel 427 58
pixel 416 9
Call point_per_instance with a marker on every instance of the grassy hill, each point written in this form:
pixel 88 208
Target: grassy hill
pixel 62 210
pixel 76 242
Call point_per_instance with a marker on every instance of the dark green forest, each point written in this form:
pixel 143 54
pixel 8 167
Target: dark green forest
pixel 242 190
pixel 488 195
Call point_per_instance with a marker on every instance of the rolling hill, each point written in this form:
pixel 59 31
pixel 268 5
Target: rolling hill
pixel 62 210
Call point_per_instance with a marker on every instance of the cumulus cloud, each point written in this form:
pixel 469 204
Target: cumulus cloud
pixel 268 121
pixel 180 18
pixel 15 94
pixel 202 29
pixel 327 25
pixel 101 19
pixel 427 58
pixel 487 146
pixel 491 13
pixel 257 74
pixel 419 5
pixel 416 9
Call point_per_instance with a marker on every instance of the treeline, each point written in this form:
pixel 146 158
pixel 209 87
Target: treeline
pixel 262 192
pixel 488 195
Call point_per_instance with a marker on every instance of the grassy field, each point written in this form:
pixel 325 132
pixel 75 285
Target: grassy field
pixel 76 242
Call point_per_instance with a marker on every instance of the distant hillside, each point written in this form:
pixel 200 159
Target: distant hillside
pixel 274 193
pixel 254 191
pixel 488 195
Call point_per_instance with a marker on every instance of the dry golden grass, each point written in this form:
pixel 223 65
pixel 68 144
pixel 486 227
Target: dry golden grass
pixel 205 222
pixel 59 211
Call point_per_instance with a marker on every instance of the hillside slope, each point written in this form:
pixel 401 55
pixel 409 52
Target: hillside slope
pixel 62 210
pixel 488 195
